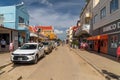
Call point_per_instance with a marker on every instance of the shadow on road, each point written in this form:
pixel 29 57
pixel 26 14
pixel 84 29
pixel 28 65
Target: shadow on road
pixel 111 75
pixel 15 65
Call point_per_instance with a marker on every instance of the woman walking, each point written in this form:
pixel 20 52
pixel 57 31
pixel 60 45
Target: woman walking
pixel 11 47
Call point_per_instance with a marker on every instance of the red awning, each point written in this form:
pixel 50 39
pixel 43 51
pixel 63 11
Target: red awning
pixel 98 37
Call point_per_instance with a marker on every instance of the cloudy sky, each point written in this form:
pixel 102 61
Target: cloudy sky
pixel 61 14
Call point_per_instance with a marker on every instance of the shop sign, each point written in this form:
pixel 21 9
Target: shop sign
pixel 112 27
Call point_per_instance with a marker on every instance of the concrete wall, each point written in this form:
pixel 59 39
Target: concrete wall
pixel 9 16
pixel 110 17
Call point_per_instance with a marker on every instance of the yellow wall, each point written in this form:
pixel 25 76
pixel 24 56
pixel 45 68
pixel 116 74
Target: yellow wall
pixel 49 33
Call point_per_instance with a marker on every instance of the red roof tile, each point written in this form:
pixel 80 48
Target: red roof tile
pixel 45 27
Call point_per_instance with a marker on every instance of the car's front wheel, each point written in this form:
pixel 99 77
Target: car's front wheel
pixel 35 60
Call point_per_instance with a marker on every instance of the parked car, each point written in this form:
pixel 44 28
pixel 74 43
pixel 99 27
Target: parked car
pixel 58 43
pixel 29 52
pixel 47 47
pixel 53 44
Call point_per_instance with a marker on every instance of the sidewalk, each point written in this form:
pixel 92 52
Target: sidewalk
pixel 4 59
pixel 105 64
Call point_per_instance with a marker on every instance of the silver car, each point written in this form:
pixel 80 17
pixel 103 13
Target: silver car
pixel 29 52
pixel 47 47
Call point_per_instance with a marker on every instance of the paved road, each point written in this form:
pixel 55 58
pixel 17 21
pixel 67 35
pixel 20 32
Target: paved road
pixel 61 64
pixel 4 58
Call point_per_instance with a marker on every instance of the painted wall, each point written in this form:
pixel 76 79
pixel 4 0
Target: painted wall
pixel 110 17
pixel 22 12
pixel 9 16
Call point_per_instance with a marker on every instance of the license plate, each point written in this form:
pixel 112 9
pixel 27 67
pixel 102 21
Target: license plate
pixel 20 59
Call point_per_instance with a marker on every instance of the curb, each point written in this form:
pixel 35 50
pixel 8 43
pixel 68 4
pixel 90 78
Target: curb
pixel 96 68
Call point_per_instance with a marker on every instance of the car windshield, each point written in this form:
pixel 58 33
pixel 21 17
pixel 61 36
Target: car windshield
pixel 29 46
pixel 45 43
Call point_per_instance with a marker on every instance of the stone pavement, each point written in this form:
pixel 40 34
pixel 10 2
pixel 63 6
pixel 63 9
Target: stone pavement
pixel 103 63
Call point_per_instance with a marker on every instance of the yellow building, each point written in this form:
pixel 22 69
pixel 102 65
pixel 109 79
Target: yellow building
pixel 47 31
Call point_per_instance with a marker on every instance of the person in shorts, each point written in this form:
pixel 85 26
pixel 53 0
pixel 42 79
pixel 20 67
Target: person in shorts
pixel 3 43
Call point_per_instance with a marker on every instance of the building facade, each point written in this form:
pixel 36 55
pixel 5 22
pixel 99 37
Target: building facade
pixel 16 17
pixel 104 25
pixel 48 31
pixel 84 24
pixel 106 21
pixel 9 35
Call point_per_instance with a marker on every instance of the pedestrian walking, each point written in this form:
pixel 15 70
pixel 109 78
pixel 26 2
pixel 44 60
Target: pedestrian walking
pixel 11 46
pixel 118 52
pixel 81 45
pixel 98 46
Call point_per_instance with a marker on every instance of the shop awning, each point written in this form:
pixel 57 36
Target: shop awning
pixel 41 36
pixel 98 37
pixel 33 35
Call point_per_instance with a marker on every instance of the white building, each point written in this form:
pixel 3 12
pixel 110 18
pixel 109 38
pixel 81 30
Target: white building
pixel 70 34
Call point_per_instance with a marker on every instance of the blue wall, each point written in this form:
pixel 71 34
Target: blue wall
pixel 22 12
pixel 11 18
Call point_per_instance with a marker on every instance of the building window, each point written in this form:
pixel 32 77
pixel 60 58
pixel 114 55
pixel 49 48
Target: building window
pixel 103 13
pixel 114 40
pixel 21 20
pixel 113 5
pixel 95 18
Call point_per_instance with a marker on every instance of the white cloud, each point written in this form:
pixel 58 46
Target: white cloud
pixel 46 2
pixel 66 4
pixel 58 31
pixel 42 16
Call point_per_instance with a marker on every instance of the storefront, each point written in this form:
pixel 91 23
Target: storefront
pixel 99 41
pixel 113 39
pixel 8 35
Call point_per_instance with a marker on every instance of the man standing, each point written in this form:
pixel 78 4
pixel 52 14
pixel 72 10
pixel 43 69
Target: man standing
pixel 3 44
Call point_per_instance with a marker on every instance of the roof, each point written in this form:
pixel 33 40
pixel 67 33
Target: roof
pixel 45 27
pixel 8 28
pixel 32 29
